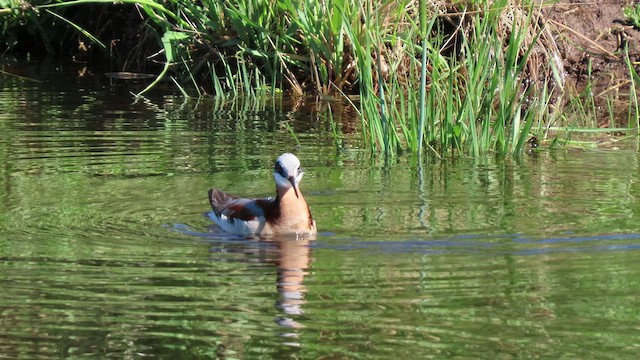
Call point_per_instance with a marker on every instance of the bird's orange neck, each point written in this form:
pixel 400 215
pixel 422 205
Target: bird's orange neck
pixel 292 208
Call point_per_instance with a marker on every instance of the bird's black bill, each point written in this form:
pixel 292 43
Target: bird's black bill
pixel 293 184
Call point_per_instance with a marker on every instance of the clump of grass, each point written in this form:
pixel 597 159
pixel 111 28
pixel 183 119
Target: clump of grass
pixel 474 80
pixel 632 14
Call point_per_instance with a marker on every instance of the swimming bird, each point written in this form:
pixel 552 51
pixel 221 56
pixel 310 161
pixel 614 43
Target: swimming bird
pixel 287 213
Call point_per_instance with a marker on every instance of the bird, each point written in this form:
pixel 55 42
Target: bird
pixel 287 213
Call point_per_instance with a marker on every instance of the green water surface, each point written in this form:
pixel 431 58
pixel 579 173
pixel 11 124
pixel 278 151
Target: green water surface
pixel 105 250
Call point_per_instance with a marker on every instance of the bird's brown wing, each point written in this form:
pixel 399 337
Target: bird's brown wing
pixel 233 207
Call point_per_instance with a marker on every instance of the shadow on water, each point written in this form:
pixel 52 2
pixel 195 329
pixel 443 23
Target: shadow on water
pixel 495 245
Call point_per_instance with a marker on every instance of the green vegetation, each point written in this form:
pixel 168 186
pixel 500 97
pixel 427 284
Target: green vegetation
pixel 632 14
pixel 470 77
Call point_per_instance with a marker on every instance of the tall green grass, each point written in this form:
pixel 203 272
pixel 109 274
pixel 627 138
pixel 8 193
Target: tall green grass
pixel 470 77
pixel 475 97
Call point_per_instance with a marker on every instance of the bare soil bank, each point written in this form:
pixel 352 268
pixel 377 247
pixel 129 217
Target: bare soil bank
pixel 597 32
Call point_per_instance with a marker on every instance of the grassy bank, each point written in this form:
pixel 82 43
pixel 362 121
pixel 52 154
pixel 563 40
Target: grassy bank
pixel 470 77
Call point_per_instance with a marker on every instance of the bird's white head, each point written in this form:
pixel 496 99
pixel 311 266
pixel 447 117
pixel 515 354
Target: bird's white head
pixel 287 172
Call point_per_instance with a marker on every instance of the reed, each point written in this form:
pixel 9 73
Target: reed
pixel 464 93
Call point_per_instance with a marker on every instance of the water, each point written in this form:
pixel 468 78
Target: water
pixel 105 252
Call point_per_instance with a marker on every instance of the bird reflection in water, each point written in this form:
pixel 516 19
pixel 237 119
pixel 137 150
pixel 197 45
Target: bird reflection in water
pixel 292 262
pixel 292 257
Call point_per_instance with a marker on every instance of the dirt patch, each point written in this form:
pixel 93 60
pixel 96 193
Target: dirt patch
pixel 594 32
